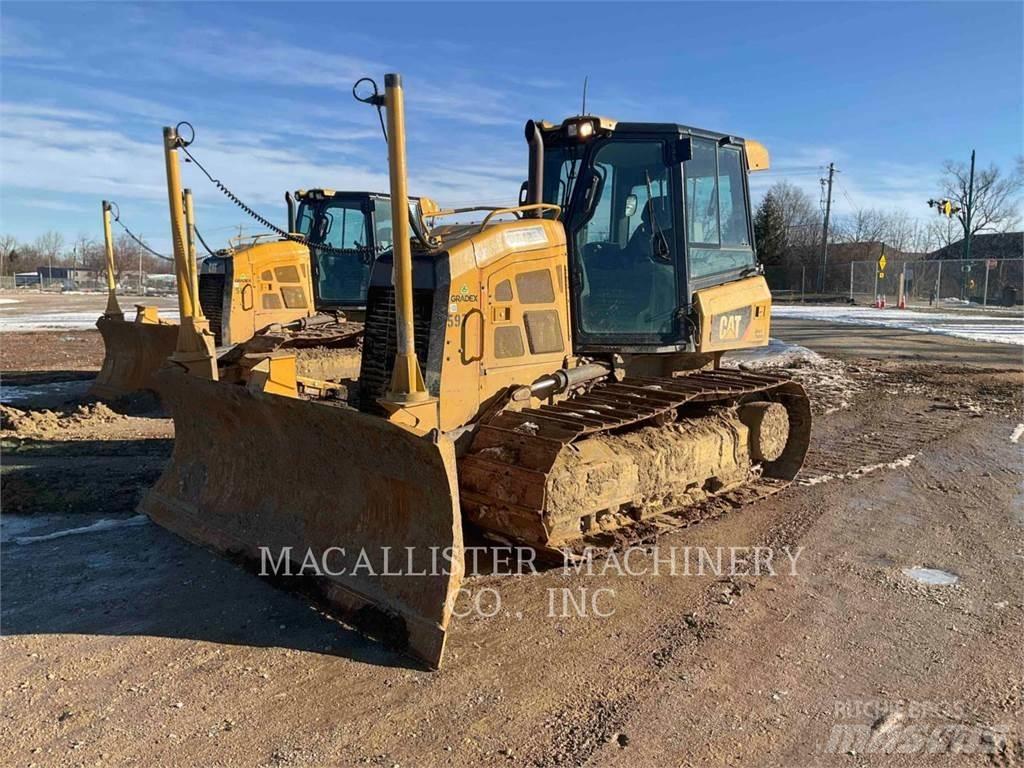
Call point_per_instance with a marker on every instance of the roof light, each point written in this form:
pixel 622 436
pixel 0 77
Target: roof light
pixel 581 128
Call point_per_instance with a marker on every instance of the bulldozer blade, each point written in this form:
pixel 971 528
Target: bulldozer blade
pixel 318 490
pixel 132 353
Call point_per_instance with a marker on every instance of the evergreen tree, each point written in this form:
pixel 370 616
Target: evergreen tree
pixel 770 231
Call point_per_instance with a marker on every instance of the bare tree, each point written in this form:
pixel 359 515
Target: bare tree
pixel 944 232
pixel 927 238
pixel 91 255
pixel 800 220
pixel 50 245
pixel 865 225
pixel 8 249
pixel 993 206
pixel 900 231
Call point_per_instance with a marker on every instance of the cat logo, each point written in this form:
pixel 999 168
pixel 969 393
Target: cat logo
pixel 729 327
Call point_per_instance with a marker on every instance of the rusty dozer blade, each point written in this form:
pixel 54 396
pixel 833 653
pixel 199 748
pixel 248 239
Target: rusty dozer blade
pixel 254 474
pixel 132 353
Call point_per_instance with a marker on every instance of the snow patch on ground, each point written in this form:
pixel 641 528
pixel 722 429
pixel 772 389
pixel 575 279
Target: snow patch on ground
pixel 97 527
pixel 859 472
pixel 976 327
pixel 1017 433
pixel 60 321
pixel 778 354
pixel 933 577
pixel 10 301
pixel 827 381
pixel 18 395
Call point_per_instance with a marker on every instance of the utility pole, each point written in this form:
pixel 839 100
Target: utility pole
pixel 824 229
pixel 968 212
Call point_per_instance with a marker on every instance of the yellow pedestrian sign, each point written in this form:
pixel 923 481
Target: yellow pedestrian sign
pixel 881 263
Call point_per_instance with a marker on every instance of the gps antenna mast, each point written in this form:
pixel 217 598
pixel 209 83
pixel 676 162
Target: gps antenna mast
pixel 585 79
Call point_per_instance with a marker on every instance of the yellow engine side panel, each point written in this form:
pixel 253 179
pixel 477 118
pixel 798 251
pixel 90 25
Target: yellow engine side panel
pixel 734 315
pixel 272 284
pixel 508 314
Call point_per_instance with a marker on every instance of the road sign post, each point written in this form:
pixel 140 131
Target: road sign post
pixel 989 266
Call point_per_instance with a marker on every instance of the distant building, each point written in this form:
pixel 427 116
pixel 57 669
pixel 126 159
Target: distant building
pixel 995 245
pixel 867 250
pixel 80 276
pixel 68 278
pixel 153 284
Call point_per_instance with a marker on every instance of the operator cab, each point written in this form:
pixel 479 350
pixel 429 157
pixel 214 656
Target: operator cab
pixel 652 212
pixel 354 228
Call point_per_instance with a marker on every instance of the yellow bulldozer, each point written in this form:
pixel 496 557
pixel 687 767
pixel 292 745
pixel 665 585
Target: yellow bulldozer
pixel 256 284
pixel 545 375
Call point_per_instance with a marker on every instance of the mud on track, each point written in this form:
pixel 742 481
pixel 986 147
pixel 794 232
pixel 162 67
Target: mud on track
pixel 130 647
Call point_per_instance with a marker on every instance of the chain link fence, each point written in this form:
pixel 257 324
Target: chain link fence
pixel 927 282
pixel 158 284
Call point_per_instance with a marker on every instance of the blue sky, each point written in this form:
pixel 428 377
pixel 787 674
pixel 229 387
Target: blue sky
pixel 886 90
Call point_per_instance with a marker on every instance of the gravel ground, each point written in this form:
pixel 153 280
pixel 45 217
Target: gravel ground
pixel 123 645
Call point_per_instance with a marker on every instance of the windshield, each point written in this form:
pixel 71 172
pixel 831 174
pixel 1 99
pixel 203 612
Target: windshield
pixel 561 171
pixel 304 219
pixel 622 234
pixel 342 275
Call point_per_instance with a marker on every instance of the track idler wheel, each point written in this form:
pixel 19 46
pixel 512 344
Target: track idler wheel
pixel 769 429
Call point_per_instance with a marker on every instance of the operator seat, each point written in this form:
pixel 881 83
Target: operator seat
pixel 641 242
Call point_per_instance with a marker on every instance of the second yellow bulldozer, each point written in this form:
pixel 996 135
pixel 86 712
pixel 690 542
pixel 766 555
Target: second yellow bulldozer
pixel 546 374
pixel 253 285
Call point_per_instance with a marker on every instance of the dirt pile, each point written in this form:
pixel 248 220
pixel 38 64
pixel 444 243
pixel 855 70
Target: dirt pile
pixel 327 364
pixel 48 424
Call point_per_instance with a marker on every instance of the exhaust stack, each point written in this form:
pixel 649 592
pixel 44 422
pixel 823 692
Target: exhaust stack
pixel 406 378
pixel 289 202
pixel 535 183
pixel 113 311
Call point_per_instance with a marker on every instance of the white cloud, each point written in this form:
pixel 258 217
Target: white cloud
pixel 251 56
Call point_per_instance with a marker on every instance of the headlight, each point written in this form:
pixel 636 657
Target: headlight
pixel 581 129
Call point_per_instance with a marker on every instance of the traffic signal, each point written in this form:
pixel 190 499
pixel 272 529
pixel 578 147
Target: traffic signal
pixel 944 207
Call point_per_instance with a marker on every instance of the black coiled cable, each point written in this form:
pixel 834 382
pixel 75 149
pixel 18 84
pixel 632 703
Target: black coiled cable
pixel 361 252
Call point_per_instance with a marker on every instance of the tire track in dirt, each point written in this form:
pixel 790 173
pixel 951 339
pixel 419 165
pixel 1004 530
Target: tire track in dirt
pixel 590 719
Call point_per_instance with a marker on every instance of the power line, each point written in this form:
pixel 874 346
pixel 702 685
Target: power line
pixel 842 188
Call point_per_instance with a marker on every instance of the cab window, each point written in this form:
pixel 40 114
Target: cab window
pixel 343 277
pixel 304 219
pixel 624 245
pixel 731 201
pixel 718 231
pixel 702 194
pixel 382 224
pixel 345 225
